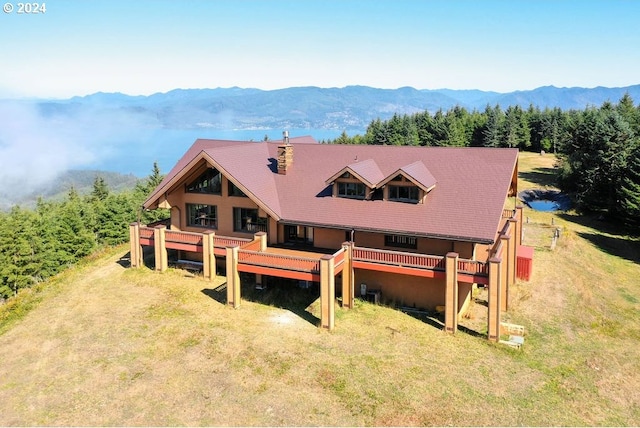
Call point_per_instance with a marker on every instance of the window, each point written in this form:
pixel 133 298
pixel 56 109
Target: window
pixel 202 216
pixel 401 241
pixel 235 190
pixel 351 190
pixel 208 182
pixel 247 220
pixel 404 193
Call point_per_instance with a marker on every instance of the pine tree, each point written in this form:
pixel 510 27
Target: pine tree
pixel 630 191
pixel 100 189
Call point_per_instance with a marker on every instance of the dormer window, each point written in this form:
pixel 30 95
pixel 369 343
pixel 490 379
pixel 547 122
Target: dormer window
pixel 352 190
pixel 209 182
pixel 404 193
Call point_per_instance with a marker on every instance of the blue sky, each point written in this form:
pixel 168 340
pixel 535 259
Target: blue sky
pixel 142 47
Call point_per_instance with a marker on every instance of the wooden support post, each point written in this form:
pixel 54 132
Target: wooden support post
pixel 208 256
pixel 135 250
pixel 451 293
pixel 347 276
pixel 327 293
pixel 160 248
pixel 507 266
pixel 262 236
pixel 512 251
pixel 518 232
pixel 233 277
pixel 494 300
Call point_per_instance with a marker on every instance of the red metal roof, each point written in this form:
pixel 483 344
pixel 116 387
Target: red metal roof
pixel 417 173
pixel 367 171
pixel 466 204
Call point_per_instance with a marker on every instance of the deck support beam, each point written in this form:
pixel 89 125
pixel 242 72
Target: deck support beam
pixel 208 255
pixel 494 299
pixel 160 247
pixel 327 292
pixel 451 293
pixel 347 276
pixel 518 231
pixel 505 274
pixel 135 249
pixel 233 277
pixel 512 250
pixel 262 237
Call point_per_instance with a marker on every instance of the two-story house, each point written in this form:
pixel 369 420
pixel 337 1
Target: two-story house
pixel 419 225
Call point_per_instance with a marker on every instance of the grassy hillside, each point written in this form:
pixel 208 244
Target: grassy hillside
pixel 106 345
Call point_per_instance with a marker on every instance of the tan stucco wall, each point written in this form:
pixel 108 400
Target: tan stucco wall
pixel 403 290
pixel 328 238
pixel 411 291
pixel 225 204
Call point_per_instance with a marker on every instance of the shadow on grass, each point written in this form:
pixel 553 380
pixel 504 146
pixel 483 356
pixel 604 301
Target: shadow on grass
pixel 437 321
pixel 285 294
pixel 148 258
pixel 219 294
pixel 619 246
pixel 281 293
pixel 613 239
pixel 540 176
pixel 125 260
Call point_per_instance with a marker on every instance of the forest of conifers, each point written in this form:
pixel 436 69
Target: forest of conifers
pixel 598 148
pixel 35 244
pixel 599 166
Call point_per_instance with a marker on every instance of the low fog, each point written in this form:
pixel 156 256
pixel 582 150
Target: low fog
pixel 39 140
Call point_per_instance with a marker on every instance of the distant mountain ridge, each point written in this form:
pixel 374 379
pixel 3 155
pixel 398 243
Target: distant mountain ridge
pixel 351 107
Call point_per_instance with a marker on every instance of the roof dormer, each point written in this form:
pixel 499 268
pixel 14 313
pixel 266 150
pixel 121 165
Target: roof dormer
pixel 410 183
pixel 366 171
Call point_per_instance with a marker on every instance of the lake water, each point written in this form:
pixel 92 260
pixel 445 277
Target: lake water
pixel 137 152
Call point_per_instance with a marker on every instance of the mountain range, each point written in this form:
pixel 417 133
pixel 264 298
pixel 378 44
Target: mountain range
pixel 351 107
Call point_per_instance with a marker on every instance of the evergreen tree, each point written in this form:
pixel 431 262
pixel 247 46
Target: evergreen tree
pixel 492 132
pixel 19 246
pixel 100 189
pixel 630 191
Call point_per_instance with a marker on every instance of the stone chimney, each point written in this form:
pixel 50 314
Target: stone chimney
pixel 285 154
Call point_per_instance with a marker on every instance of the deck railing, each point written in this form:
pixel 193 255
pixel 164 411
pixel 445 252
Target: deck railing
pixel 146 232
pixel 227 241
pixel 301 264
pixel 473 267
pixel 251 245
pixel 508 213
pixel 339 257
pixel 183 237
pixel 250 254
pixel 398 258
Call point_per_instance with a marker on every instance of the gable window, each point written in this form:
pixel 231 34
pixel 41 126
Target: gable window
pixel 199 215
pixel 209 182
pixel 351 190
pixel 247 220
pixel 404 193
pixel 235 190
pixel 401 241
